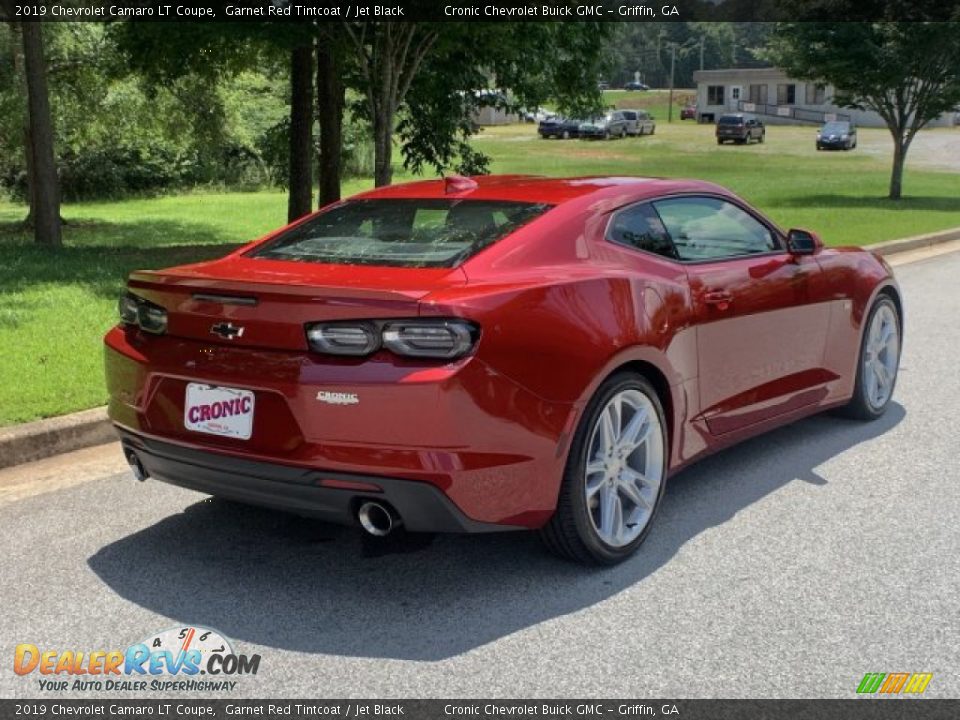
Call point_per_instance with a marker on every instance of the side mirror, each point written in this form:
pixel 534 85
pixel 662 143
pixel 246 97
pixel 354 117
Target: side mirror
pixel 803 242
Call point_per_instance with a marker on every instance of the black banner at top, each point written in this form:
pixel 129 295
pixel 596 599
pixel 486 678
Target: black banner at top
pixel 479 10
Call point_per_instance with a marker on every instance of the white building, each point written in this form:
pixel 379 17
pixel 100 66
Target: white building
pixel 776 98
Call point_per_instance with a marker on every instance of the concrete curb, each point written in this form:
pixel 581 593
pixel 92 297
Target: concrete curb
pixel 41 439
pixel 891 247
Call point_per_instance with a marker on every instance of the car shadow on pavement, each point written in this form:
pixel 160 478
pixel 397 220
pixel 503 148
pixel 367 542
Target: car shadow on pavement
pixel 295 584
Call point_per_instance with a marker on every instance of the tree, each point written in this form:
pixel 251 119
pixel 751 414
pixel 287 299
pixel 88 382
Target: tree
pixel 331 99
pixel 211 51
pixel 906 72
pixel 300 198
pixel 44 183
pixel 423 81
pixel 390 56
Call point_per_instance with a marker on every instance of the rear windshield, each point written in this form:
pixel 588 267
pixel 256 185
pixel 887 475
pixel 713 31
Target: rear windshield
pixel 401 232
pixel 730 120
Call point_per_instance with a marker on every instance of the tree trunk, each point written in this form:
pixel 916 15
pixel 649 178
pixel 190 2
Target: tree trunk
pixel 896 175
pixel 31 181
pixel 330 103
pixel 382 146
pixel 46 191
pixel 300 200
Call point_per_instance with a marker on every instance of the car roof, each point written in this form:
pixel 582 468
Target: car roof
pixel 540 189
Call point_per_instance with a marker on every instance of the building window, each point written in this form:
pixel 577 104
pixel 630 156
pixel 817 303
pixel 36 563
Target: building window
pixel 816 94
pixel 715 95
pixel 786 94
pixel 735 93
pixel 758 94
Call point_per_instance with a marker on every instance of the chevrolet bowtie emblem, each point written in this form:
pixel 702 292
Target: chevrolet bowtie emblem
pixel 228 331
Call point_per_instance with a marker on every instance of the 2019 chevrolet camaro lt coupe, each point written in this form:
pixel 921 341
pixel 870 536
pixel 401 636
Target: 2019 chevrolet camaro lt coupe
pixel 512 352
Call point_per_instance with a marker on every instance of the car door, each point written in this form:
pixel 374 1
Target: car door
pixel 761 329
pixel 618 124
pixel 643 123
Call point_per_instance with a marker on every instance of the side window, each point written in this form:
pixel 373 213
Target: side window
pixel 705 228
pixel 640 227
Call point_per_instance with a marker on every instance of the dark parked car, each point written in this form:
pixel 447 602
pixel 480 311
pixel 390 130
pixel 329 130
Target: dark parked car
pixel 688 112
pixel 559 127
pixel 636 86
pixel 639 122
pixel 611 125
pixel 739 129
pixel 837 135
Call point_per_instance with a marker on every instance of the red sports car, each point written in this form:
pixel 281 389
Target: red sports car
pixel 471 355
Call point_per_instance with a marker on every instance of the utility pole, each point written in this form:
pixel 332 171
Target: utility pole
pixel 702 40
pixel 673 62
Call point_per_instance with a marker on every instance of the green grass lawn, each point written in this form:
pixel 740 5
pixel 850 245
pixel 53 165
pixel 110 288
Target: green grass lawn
pixel 55 306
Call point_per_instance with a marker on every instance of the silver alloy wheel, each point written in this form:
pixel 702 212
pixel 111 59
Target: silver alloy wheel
pixel 624 468
pixel 881 356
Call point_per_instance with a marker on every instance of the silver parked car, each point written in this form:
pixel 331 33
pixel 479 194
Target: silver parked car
pixel 639 122
pixel 611 125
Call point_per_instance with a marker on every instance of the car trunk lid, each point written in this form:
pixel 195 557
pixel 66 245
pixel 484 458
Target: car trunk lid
pixel 276 299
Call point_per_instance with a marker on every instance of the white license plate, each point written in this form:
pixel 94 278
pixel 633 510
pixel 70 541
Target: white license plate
pixel 219 411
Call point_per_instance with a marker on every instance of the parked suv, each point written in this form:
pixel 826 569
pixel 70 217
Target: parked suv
pixel 739 129
pixel 837 135
pixel 613 124
pixel 639 122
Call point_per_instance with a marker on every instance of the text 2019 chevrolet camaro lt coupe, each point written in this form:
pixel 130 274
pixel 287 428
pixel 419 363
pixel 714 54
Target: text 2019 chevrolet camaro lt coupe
pixel 470 355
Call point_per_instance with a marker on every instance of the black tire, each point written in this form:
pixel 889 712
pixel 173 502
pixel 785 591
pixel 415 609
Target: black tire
pixel 859 407
pixel 719 141
pixel 762 137
pixel 653 130
pixel 570 532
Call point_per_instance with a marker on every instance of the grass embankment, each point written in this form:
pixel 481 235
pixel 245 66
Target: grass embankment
pixel 55 306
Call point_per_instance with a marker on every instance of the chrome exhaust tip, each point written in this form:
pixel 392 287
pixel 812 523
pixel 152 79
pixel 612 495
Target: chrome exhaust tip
pixel 376 518
pixel 136 467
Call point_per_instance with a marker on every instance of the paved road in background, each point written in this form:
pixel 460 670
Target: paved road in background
pixel 788 566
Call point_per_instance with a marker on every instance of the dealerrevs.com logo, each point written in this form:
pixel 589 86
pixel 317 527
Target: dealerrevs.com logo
pixel 179 659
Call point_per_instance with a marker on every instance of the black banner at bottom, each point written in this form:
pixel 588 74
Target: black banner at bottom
pixel 865 709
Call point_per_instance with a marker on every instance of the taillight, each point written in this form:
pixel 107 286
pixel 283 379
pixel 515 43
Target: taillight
pixel 440 338
pixel 149 317
pixel 344 338
pixel 431 339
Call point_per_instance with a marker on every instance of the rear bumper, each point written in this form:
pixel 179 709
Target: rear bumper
pixel 494 450
pixel 421 506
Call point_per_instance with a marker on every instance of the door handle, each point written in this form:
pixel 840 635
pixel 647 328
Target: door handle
pixel 720 298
